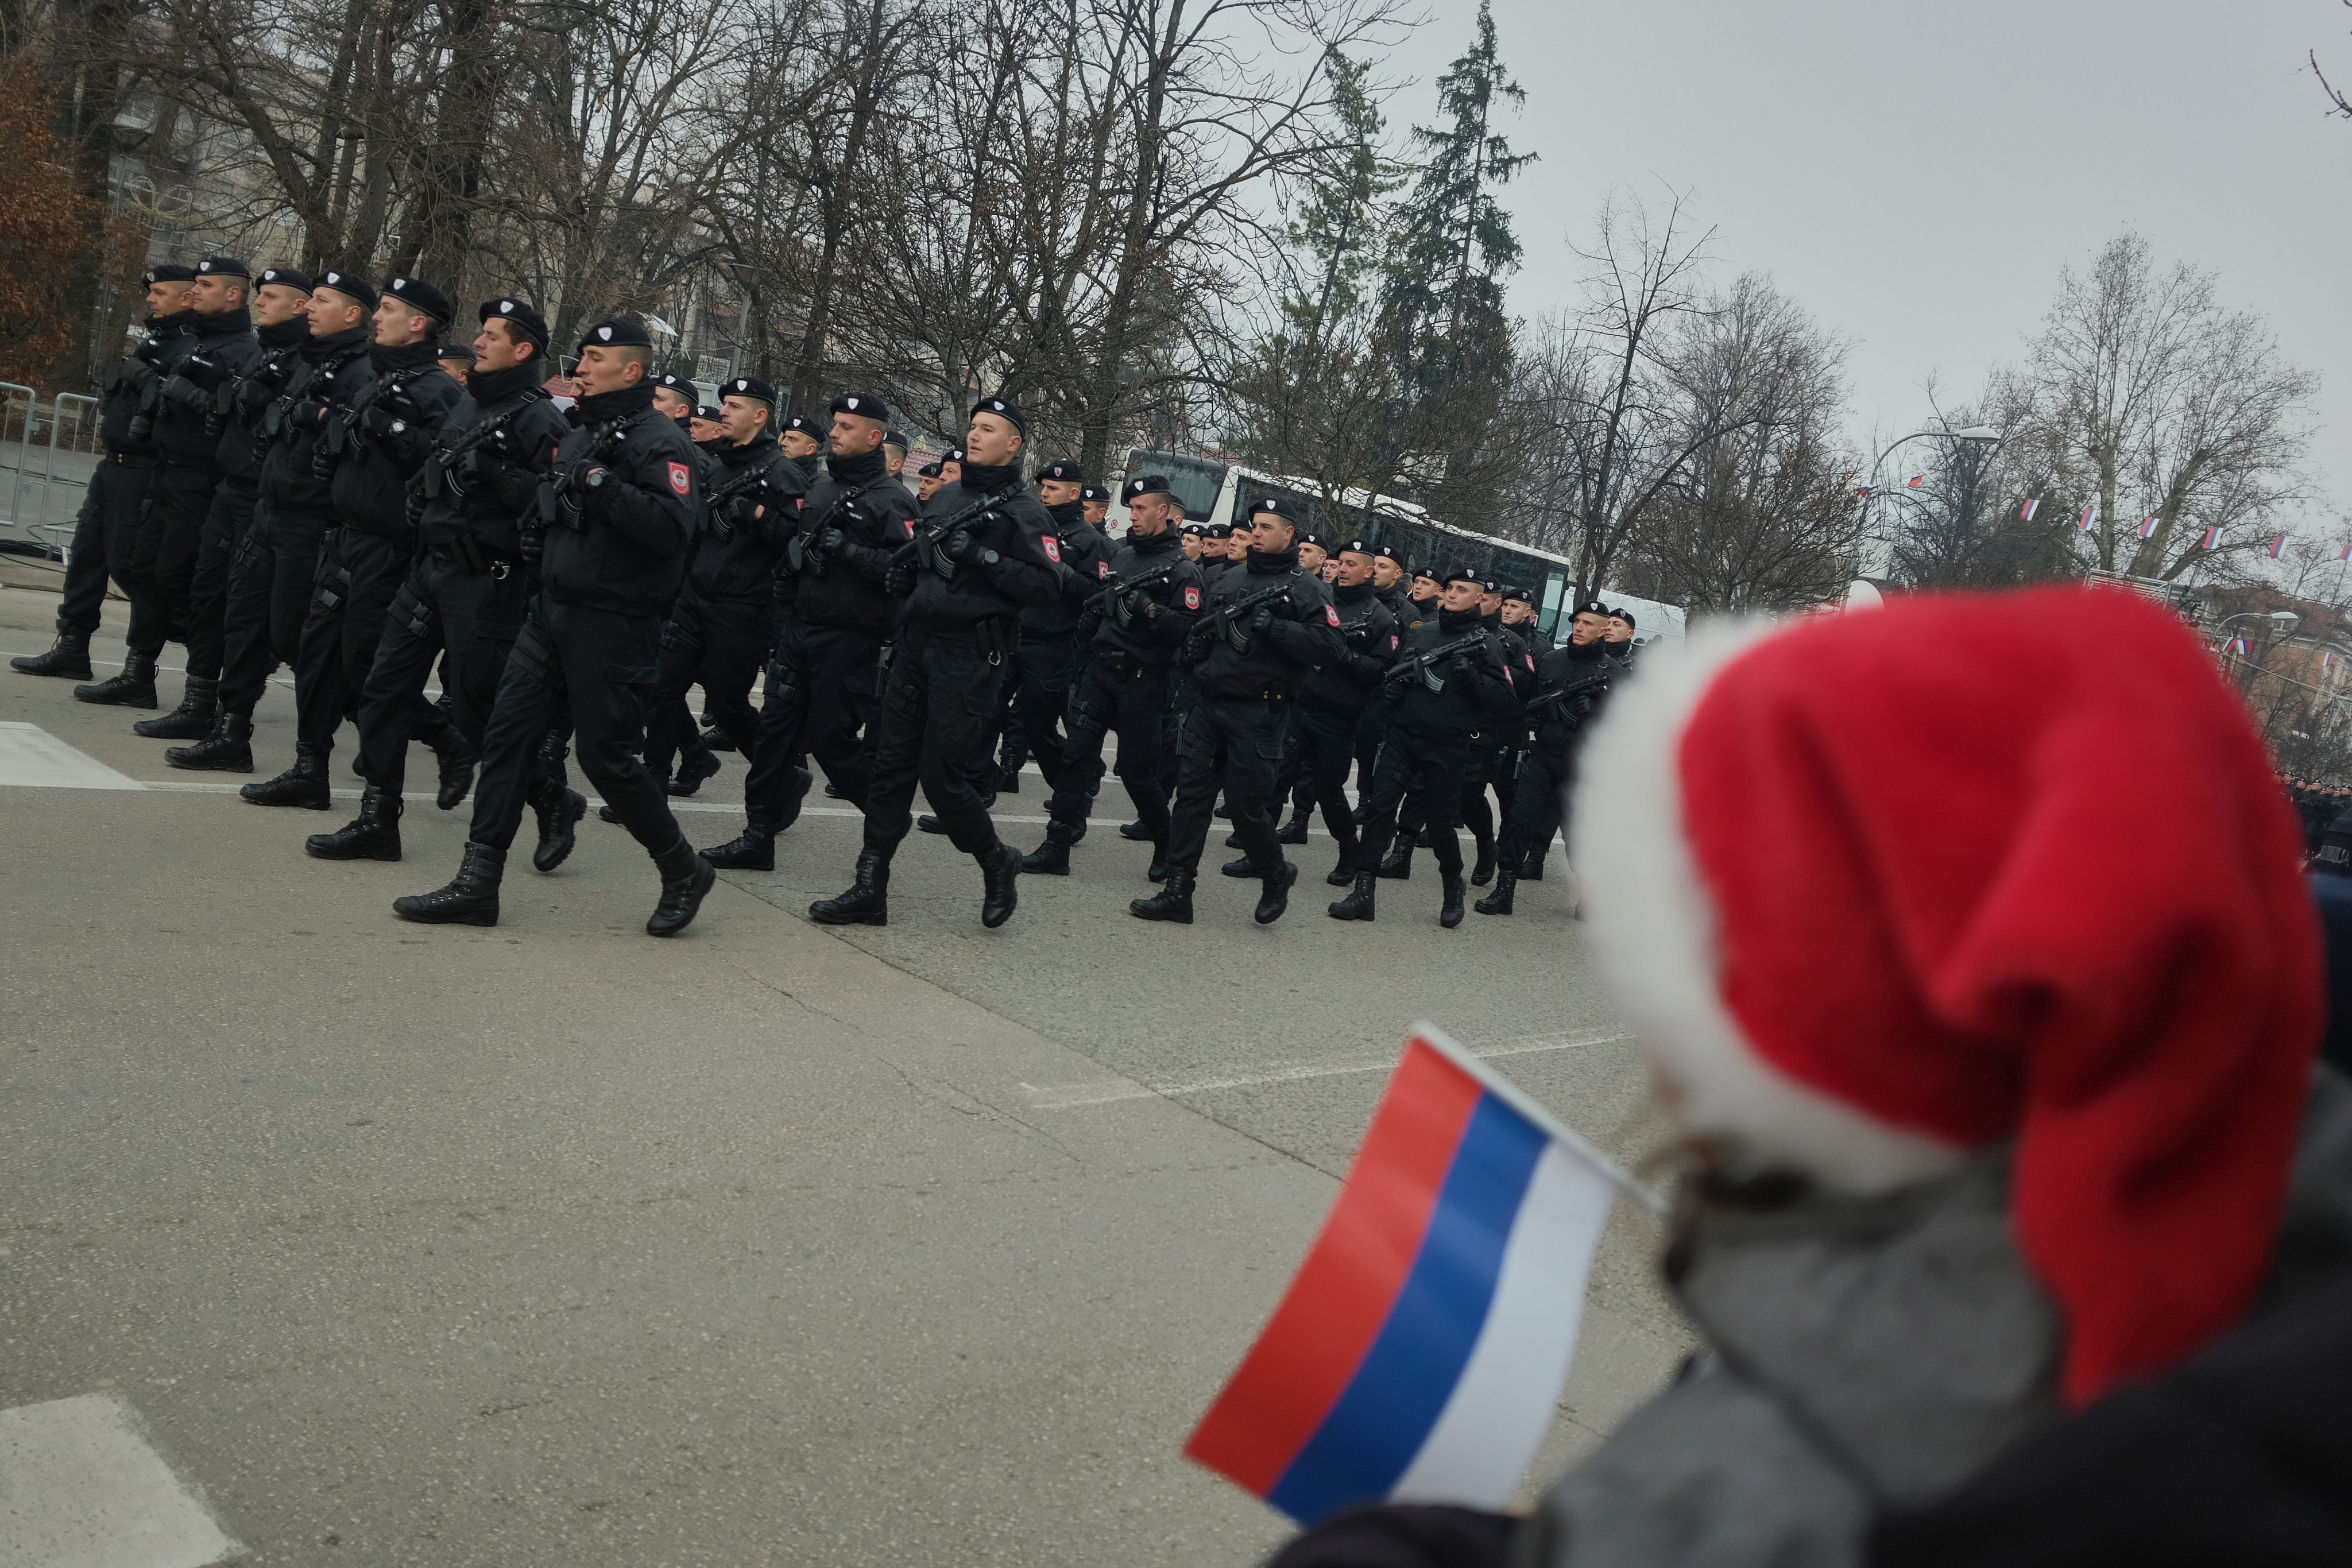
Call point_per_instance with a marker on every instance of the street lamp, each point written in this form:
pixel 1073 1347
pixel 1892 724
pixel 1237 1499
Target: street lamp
pixel 2282 616
pixel 1975 432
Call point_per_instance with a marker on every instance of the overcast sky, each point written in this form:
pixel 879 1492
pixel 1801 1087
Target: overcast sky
pixel 1915 175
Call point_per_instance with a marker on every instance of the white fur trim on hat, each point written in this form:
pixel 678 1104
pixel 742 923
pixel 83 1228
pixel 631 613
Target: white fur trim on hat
pixel 1654 934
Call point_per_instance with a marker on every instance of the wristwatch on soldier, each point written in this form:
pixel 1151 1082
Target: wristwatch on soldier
pixel 989 557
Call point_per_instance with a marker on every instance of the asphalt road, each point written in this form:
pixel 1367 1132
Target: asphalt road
pixel 555 1244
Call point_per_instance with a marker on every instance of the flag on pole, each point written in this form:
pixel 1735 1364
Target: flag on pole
pixel 1914 482
pixel 2236 645
pixel 1420 1348
pixel 2025 512
pixel 2345 553
pixel 1862 489
pixel 2212 536
pixel 2147 527
pixel 2278 544
pixel 2090 515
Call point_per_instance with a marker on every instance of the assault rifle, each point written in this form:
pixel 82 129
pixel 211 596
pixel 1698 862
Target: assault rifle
pixel 1119 598
pixel 1424 664
pixel 558 496
pixel 1227 622
pixel 929 549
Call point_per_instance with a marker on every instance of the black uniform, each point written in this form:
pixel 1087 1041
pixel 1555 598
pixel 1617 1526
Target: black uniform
pixel 616 553
pixel 1136 632
pixel 821 671
pixel 1429 748
pixel 107 532
pixel 468 594
pixel 1240 723
pixel 1053 651
pixel 1405 613
pixel 940 691
pixel 187 443
pixel 724 619
pixel 246 376
pixel 270 580
pixel 1571 683
pixel 376 440
pixel 1333 700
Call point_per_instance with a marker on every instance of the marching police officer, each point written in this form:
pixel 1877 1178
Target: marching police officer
pixel 467 596
pixel 271 578
pixel 1093 502
pixel 821 671
pixel 1052 650
pixel 986 548
pixel 1264 626
pixel 1447 683
pixel 725 617
pixel 621 514
pixel 1149 594
pixel 114 506
pixel 374 441
pixel 1570 683
pixel 1333 699
pixel 240 376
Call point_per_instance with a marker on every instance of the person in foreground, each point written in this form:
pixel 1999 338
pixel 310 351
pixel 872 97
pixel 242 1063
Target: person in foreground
pixel 1991 1130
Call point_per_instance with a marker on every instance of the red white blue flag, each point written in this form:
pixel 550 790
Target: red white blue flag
pixel 1419 1352
pixel 2090 515
pixel 2212 536
pixel 2147 527
pixel 1914 482
pixel 2278 544
pixel 2237 646
pixel 2345 553
pixel 2025 512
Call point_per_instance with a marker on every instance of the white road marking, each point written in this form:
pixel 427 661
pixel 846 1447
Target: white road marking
pixel 31 757
pixel 1111 1092
pixel 80 1488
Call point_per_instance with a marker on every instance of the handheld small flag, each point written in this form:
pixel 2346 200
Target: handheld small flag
pixel 2025 513
pixel 1914 482
pixel 2278 544
pixel 2212 536
pixel 2090 515
pixel 2147 527
pixel 1420 1348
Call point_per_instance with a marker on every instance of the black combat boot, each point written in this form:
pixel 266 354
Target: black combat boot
pixel 192 720
pixel 1506 882
pixel 1000 870
pixel 227 749
pixel 1232 840
pixel 686 878
pixel 1240 868
pixel 1293 832
pixel 1483 871
pixel 134 688
pixel 1450 915
pixel 696 765
pixel 456 754
pixel 1008 779
pixel 867 901
pixel 931 824
pixel 1397 867
pixel 470 899
pixel 67 657
pixel 372 835
pixel 1531 868
pixel 1135 832
pixel 1158 871
pixel 304 784
pixel 1356 905
pixel 1172 901
pixel 716 740
pixel 559 812
pixel 754 849
pixel 1051 858
pixel 1276 898
pixel 800 791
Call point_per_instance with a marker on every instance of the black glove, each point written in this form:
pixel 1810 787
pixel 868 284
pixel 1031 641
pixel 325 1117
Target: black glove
pixel 1261 624
pixel 825 541
pixel 899 581
pixel 375 420
pixel 963 545
pixel 533 542
pixel 186 394
pixel 1457 664
pixel 142 429
pixel 745 510
pixel 309 413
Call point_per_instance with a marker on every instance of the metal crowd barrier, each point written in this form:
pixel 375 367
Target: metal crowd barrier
pixel 43 505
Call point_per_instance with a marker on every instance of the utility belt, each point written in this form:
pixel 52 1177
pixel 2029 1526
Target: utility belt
pixel 203 464
pixel 132 460
pixel 995 639
pixel 468 553
pixel 1124 665
pixel 1273 693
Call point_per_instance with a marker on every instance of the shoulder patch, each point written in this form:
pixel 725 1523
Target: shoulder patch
pixel 1531 659
pixel 1053 547
pixel 911 527
pixel 681 479
pixel 1191 596
pixel 1331 614
pixel 1102 569
pixel 1393 641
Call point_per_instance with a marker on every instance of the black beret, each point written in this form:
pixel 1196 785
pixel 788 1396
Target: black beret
pixel 955 455
pixel 863 404
pixel 1488 585
pixel 349 284
pixel 223 266
pixel 419 295
pixel 1626 616
pixel 803 423
pixel 1006 409
pixel 1452 575
pixel 680 385
pixel 1430 572
pixel 1361 547
pixel 897 438
pixel 1591 607
pixel 1145 485
pixel 518 317
pixel 1063 471
pixel 1521 594
pixel 752 387
pixel 927 471
pixel 287 277
pixel 1388 552
pixel 1280 506
pixel 1309 537
pixel 1093 493
pixel 711 411
pixel 617 332
pixel 170 272
pixel 1194 528
pixel 1217 531
pixel 454 350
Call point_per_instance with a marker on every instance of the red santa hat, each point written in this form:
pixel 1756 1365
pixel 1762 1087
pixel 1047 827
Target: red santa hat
pixel 1885 888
